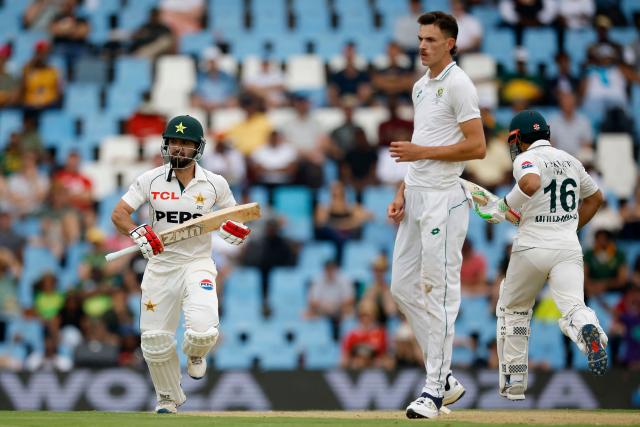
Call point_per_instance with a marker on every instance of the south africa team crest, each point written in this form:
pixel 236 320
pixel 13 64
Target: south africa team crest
pixel 206 284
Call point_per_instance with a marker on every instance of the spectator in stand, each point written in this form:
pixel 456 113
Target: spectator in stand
pixel 572 132
pixel 395 128
pixel 378 294
pixel 342 138
pixel 31 139
pixel 215 88
pixel 469 28
pixel 350 81
pixel 604 43
pixel 153 38
pixel 274 164
pixel 11 156
pixel 396 78
pixel 9 84
pixel 473 273
pixel 307 135
pixel 268 84
pixel 254 130
pixel 9 239
pixel 60 222
pixel 521 86
pixel 626 325
pixel 407 352
pixel 28 187
pixel 366 345
pixel 612 9
pixel 100 347
pixel 406 27
pixel 359 166
pixel 630 213
pixel 605 265
pixel 10 271
pixel 48 301
pixel 183 16
pixel 41 85
pixel 146 120
pixel 225 160
pixel 521 14
pixel 78 187
pixel 50 360
pixel 564 81
pixel 39 14
pixel 573 15
pixel 119 318
pixel 70 34
pixel 339 221
pixel 331 295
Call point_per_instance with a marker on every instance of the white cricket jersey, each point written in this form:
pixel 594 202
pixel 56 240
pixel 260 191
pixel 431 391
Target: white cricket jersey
pixel 440 105
pixel 550 218
pixel 169 206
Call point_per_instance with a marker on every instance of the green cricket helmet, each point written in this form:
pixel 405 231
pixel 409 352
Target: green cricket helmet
pixel 187 128
pixel 526 127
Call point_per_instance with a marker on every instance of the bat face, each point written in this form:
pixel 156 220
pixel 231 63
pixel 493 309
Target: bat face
pixel 210 222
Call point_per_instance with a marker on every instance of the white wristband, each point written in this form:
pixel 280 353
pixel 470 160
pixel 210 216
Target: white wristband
pixel 516 197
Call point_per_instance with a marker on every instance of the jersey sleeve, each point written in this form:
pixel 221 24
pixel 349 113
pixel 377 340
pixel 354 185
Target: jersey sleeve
pixel 225 197
pixel 524 164
pixel 138 193
pixel 587 185
pixel 464 100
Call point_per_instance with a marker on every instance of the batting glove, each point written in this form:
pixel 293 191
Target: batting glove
pixel 148 241
pixel 494 211
pixel 234 232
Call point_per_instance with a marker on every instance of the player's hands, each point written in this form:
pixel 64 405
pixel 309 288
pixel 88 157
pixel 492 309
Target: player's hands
pixel 148 241
pixel 395 210
pixel 233 232
pixel 405 151
pixel 494 211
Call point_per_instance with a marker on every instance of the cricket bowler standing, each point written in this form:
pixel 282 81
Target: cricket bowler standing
pixel 556 197
pixel 182 276
pixel 432 208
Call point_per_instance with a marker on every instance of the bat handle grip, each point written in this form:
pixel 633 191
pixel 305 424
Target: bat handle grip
pixel 115 255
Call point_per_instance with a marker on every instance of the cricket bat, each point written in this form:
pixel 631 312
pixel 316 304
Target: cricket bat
pixel 198 226
pixel 512 215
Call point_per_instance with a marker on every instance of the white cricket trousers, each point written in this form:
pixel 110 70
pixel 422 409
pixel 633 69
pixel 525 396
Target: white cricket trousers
pixel 530 268
pixel 168 288
pixel 425 278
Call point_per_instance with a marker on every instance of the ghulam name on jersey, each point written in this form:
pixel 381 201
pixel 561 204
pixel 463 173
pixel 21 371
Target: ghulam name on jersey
pixel 556 218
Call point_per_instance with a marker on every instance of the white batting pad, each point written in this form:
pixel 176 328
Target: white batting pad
pixel 159 351
pixel 198 344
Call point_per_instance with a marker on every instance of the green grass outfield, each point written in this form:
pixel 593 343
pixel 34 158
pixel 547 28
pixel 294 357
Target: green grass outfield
pixel 318 418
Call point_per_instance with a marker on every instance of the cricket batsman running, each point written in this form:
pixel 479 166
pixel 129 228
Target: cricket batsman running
pixel 556 197
pixel 183 276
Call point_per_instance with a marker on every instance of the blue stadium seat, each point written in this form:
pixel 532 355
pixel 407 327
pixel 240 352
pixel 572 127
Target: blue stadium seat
pixel 10 121
pixel 324 194
pixel 489 16
pixel 56 126
pixel 293 201
pixel 462 356
pixel 82 99
pixel 195 43
pixel 259 194
pixel 121 102
pixel 314 255
pixel 577 42
pixel 631 249
pixel 132 74
pixel 628 8
pixel 105 207
pixel 322 356
pixel 226 17
pixel 134 303
pixel 534 38
pixel 499 43
pixel 359 255
pixel 74 256
pixel 376 200
pixel 27 227
pixel 97 127
pixel 380 234
pixel 546 344
pixel 287 293
pixel 29 329
pixel 24 46
pixel 90 69
pixel 243 283
pixel 313 333
pixel 232 357
pixel 279 358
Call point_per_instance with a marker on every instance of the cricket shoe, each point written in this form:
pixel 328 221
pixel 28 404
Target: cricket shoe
pixel 596 354
pixel 513 391
pixel 166 405
pixel 453 390
pixel 196 367
pixel 425 406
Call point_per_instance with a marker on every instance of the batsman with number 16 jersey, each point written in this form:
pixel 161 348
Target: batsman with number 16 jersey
pixel 555 196
pixel 182 277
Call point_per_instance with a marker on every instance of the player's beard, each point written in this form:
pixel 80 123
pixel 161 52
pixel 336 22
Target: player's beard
pixel 180 162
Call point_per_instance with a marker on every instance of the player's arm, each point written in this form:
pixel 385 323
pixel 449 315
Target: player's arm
pixel 143 235
pixel 589 207
pixel 472 146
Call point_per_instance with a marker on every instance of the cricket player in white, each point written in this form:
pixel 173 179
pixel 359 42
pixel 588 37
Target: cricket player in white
pixel 433 209
pixel 556 197
pixel 183 276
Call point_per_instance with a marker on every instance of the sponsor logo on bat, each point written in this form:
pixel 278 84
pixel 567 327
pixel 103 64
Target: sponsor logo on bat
pixel 179 235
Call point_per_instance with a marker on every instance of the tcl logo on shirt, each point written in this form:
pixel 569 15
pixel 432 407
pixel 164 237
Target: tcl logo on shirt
pixel 175 217
pixel 164 195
